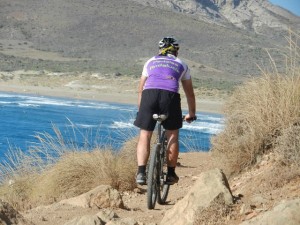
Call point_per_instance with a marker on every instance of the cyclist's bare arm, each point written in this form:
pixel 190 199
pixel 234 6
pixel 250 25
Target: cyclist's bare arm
pixel 140 89
pixel 190 96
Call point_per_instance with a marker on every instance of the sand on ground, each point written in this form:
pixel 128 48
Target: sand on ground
pixel 89 86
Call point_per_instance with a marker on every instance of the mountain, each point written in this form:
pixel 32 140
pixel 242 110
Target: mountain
pixel 259 16
pixel 221 40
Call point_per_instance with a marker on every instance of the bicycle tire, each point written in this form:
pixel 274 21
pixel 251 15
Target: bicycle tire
pixel 153 178
pixel 163 193
pixel 163 189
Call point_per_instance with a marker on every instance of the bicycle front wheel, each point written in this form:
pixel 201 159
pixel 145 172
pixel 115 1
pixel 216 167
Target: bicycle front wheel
pixel 163 188
pixel 153 178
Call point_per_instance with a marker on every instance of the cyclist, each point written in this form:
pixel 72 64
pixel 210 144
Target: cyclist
pixel 158 93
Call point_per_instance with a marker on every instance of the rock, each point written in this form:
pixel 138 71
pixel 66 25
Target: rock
pixel 210 186
pixel 85 220
pixel 258 200
pixel 8 215
pixel 123 221
pixel 286 213
pixel 117 74
pixel 107 215
pixel 245 209
pixel 103 196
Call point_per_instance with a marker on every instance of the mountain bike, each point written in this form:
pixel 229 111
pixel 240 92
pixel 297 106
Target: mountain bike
pixel 157 188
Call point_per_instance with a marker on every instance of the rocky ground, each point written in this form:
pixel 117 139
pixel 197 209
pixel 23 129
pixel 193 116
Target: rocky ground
pixel 251 198
pixel 190 166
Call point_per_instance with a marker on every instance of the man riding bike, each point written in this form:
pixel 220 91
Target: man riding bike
pixel 158 93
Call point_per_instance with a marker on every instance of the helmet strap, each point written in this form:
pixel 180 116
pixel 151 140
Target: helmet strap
pixel 169 50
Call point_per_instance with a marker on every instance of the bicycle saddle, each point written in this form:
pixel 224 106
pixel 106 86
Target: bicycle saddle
pixel 160 117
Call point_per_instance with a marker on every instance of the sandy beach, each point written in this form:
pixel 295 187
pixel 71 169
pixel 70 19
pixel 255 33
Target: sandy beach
pixel 92 86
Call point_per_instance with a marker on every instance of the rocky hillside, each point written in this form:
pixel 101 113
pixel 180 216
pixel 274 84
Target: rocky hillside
pixel 203 196
pixel 260 16
pixel 222 41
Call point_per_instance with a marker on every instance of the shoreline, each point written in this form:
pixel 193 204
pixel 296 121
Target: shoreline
pixel 203 105
pixel 98 88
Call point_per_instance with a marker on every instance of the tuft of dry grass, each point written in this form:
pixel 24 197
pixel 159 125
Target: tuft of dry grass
pixel 257 113
pixel 78 172
pixel 255 116
pixel 53 170
pixel 288 145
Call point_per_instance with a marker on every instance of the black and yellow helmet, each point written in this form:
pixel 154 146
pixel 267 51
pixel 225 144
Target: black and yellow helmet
pixel 168 45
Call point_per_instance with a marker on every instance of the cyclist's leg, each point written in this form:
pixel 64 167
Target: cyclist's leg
pixel 146 124
pixel 172 156
pixel 142 151
pixel 173 147
pixel 170 104
pixel 143 147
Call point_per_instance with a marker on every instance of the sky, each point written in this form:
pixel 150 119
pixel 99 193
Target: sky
pixel 291 5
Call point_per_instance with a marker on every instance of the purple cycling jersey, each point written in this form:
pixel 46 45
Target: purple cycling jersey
pixel 165 72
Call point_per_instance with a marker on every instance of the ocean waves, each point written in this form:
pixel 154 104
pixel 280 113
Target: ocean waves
pixel 80 121
pixel 36 101
pixel 209 127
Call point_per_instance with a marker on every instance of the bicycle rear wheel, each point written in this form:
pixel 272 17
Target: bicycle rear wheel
pixel 153 178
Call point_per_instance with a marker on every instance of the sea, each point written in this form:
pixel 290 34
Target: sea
pixel 31 120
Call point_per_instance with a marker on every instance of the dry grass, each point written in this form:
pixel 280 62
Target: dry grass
pixel 257 113
pixel 262 128
pixel 78 172
pixel 288 146
pixel 54 170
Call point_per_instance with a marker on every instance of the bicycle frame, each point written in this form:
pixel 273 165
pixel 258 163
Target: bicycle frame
pixel 161 133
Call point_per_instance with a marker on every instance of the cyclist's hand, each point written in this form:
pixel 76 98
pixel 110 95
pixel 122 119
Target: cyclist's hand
pixel 189 118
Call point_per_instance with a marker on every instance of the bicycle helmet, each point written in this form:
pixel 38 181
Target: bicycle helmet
pixel 168 45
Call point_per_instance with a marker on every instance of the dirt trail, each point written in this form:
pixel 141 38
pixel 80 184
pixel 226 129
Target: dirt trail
pixel 191 165
pixel 257 195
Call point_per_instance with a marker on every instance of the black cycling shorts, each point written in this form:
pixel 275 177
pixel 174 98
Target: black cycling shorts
pixel 156 101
